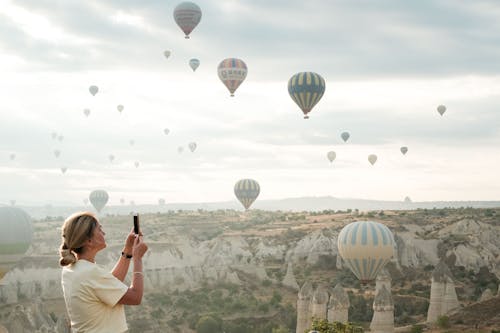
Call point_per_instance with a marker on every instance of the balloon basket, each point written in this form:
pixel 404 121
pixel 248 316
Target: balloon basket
pixel 186 37
pixel 232 95
pixel 306 117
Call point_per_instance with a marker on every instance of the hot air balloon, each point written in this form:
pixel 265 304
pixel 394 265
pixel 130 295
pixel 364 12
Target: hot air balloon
pixel 60 138
pixel 441 109
pixel 345 136
pixel 365 247
pixel 98 199
pixel 408 200
pixel 93 90
pixel 306 89
pixel 194 63
pixel 119 108
pixel 122 201
pixel 132 142
pixel 86 112
pixel 136 163
pixel 166 131
pixel 404 150
pixel 166 53
pixel 187 15
pixel 54 135
pixel 372 158
pixel 180 149
pixel 64 169
pixel 12 157
pixel 111 157
pixel 161 202
pixel 331 155
pixel 192 146
pixel 57 153
pixel 16 238
pixel 232 72
pixel 246 190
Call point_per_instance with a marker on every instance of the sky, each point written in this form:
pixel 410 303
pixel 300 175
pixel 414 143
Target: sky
pixel 387 65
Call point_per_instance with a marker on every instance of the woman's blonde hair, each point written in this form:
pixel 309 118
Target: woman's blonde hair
pixel 76 230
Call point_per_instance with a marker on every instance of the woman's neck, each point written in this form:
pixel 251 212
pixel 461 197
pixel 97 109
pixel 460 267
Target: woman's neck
pixel 86 256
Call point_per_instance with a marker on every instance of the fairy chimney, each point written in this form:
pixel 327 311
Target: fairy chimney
pixel 319 304
pixel 338 306
pixel 383 312
pixel 303 302
pixel 443 295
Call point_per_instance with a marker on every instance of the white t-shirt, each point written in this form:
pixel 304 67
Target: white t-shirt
pixel 91 294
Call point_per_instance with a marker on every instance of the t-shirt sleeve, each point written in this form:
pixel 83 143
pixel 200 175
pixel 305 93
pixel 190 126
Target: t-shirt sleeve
pixel 106 286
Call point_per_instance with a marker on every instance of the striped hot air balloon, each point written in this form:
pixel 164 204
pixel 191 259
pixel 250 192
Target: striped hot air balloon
pixel 187 15
pixel 306 89
pixel 232 72
pixel 246 190
pixel 98 199
pixel 366 247
pixel 16 237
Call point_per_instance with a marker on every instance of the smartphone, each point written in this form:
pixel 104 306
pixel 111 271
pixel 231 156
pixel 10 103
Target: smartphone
pixel 137 229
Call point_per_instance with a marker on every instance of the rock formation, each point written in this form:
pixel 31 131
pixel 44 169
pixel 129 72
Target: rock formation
pixel 383 280
pixel 319 303
pixel 338 306
pixel 289 279
pixel 383 312
pixel 443 295
pixel 303 303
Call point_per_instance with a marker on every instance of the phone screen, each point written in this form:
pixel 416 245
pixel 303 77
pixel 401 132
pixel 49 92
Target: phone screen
pixel 136 224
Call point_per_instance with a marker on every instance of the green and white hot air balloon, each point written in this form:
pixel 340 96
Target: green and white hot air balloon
pixel 246 190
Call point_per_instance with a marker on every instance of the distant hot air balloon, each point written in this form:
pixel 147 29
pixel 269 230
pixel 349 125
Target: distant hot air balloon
pixel 57 153
pixel 132 142
pixel 194 63
pixel 232 72
pixel 122 200
pixel 192 146
pixel 372 158
pixel 246 190
pixel 365 247
pixel 119 108
pixel 166 131
pixel 306 90
pixel 12 157
pixel 93 90
pixel 98 199
pixel 136 163
pixel 16 238
pixel 187 15
pixel 166 53
pixel 60 138
pixel 180 149
pixel 404 150
pixel 441 109
pixel 86 112
pixel 64 169
pixel 407 200
pixel 54 135
pixel 331 155
pixel 345 136
pixel 111 157
pixel 161 202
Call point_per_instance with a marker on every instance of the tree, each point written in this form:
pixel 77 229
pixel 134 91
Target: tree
pixel 207 324
pixel 323 326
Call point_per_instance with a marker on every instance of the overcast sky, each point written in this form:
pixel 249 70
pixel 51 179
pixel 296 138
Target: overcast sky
pixel 387 66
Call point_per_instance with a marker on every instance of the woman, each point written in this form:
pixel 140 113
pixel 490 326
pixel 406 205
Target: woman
pixel 94 297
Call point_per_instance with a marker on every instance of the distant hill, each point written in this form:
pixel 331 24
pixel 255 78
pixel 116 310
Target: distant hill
pixel 288 204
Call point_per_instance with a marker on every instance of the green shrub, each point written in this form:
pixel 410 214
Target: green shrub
pixel 417 328
pixel 443 321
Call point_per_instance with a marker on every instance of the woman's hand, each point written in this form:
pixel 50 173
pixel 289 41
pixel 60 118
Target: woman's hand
pixel 139 247
pixel 129 242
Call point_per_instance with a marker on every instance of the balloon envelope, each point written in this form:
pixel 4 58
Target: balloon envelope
pixel 306 90
pixel 404 150
pixel 64 169
pixel 232 72
pixel 161 201
pixel 166 131
pixel 12 156
pixel 372 158
pixel 187 15
pixel 331 155
pixel 111 157
pixel 192 146
pixel 365 247
pixel 119 108
pixel 98 199
pixel 166 53
pixel 246 190
pixel 57 153
pixel 136 163
pixel 441 109
pixel 194 63
pixel 93 90
pixel 16 237
pixel 345 136
pixel 86 112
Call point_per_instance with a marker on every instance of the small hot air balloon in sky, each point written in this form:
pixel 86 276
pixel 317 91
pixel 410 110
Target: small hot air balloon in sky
pixel 331 155
pixel 194 63
pixel 54 135
pixel 187 15
pixel 365 247
pixel 12 157
pixel 192 146
pixel 131 142
pixel 16 238
pixel 161 202
pixel 166 131
pixel 403 150
pixel 111 157
pixel 306 90
pixel 246 190
pixel 93 90
pixel 408 200
pixel 86 112
pixel 372 158
pixel 64 169
pixel 232 72
pixel 166 53
pixel 136 163
pixel 60 138
pixel 98 199
pixel 441 109
pixel 122 201
pixel 345 136
pixel 119 108
pixel 57 153
pixel 180 149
